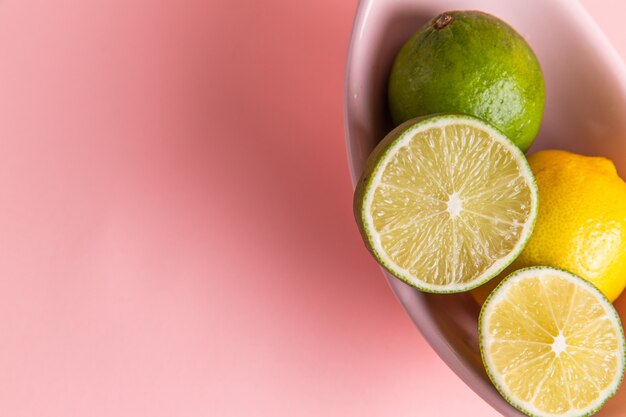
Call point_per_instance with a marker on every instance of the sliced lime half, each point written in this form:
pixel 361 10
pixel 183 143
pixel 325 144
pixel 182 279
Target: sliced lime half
pixel 446 202
pixel 552 343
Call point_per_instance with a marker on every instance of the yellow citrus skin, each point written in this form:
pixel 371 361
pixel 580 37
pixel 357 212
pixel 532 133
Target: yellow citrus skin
pixel 581 224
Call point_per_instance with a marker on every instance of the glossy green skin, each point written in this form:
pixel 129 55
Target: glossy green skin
pixel 476 65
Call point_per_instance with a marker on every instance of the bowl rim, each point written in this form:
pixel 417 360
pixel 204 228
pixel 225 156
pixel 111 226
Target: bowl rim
pixel 419 313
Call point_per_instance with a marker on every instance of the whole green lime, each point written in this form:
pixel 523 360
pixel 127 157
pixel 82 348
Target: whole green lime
pixel 472 63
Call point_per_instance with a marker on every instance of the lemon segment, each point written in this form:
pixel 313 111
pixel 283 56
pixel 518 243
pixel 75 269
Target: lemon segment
pixel 446 203
pixel 552 344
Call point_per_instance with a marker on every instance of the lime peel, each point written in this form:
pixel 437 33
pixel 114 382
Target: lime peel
pixel 472 63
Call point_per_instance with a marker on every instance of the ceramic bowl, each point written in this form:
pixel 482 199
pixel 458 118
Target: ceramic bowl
pixel 585 108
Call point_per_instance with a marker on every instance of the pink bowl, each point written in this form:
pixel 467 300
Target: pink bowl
pixel 585 108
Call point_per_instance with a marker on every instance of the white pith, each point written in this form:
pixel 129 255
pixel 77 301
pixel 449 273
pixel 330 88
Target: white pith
pixel 560 344
pixel 455 205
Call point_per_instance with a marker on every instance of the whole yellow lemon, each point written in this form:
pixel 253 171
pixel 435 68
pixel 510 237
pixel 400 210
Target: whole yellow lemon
pixel 581 224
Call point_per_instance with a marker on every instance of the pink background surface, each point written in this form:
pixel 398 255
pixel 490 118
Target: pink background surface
pixel 175 216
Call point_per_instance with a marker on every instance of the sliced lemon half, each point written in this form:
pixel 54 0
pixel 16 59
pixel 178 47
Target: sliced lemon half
pixel 446 202
pixel 552 343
